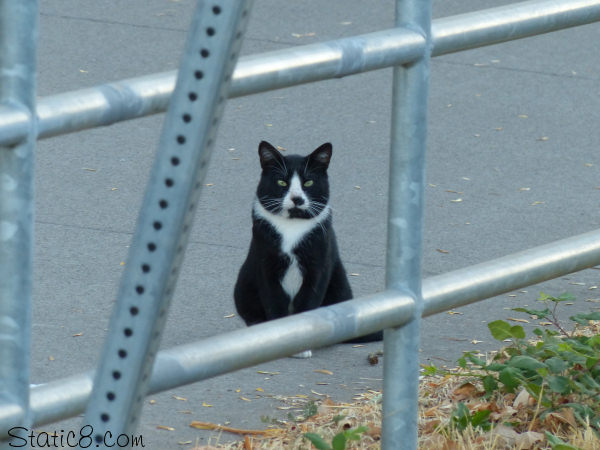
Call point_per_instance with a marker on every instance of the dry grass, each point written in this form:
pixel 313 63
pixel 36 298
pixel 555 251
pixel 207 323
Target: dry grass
pixel 438 396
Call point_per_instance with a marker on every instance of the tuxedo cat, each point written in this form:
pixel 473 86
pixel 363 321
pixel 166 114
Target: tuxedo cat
pixel 293 264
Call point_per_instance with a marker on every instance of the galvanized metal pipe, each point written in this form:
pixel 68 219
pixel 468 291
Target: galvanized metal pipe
pixel 510 22
pixel 197 361
pixel 168 208
pixel 221 354
pixel 471 284
pixel 137 97
pixel 241 348
pixel 18 36
pixel 405 231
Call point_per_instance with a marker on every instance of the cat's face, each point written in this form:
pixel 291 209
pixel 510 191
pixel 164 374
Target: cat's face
pixel 293 186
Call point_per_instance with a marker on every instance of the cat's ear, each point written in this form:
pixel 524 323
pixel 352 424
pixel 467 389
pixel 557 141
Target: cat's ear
pixel 269 156
pixel 319 159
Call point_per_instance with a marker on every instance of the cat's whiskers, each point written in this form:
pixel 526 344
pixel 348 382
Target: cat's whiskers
pixel 320 206
pixel 270 203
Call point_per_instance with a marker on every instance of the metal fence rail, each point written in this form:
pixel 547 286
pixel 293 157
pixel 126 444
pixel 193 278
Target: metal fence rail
pixel 137 97
pixel 17 91
pixel 221 354
pixel 406 299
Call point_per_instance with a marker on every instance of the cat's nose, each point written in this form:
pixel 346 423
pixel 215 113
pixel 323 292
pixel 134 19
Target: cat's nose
pixel 298 201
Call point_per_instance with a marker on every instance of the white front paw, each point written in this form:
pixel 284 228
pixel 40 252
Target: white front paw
pixel 305 354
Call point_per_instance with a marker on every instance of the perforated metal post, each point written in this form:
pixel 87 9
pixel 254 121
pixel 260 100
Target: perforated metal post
pixel 18 35
pixel 165 218
pixel 405 231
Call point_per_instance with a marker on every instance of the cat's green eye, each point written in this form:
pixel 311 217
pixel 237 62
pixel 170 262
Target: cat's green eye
pixel 281 183
pixel 308 183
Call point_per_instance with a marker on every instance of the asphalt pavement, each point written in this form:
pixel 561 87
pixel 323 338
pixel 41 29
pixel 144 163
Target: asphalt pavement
pixel 512 163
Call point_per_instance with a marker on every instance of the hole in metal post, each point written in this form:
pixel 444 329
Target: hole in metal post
pixel 210 31
pixel 216 10
pixel 198 74
pixel 128 332
pixel 110 396
pixel 169 182
pixel 175 161
pixel 116 374
pixel 104 417
pixel 181 139
pixel 193 96
pixel 163 204
pixel 145 268
pixel 139 289
pixel 157 225
pixel 204 53
pixel 186 118
pixel 151 246
pixel 134 310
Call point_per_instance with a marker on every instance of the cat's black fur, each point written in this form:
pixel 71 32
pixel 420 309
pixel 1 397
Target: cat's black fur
pixel 292 225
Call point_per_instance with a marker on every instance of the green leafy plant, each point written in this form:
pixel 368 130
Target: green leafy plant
pixel 557 443
pixel 560 369
pixel 339 440
pixel 310 409
pixel 461 418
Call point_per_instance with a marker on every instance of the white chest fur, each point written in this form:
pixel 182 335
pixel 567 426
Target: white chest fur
pixel 292 231
pixel 292 280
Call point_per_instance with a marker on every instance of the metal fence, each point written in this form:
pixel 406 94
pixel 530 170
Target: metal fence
pixel 130 367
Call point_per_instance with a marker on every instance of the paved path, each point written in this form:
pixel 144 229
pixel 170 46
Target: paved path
pixel 513 134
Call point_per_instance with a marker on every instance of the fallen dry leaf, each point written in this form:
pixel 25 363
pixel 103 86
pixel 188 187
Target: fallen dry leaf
pixel 528 439
pixel 298 35
pixel 264 372
pixel 522 399
pixel 164 427
pixel 442 251
pixel 318 393
pixel 518 320
pixel 214 426
pixel 465 391
pixel 181 399
pixel 565 415
pixel 324 371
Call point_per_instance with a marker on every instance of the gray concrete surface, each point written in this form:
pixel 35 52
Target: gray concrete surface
pixel 513 133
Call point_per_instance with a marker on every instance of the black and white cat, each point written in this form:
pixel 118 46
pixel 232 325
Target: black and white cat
pixel 293 264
